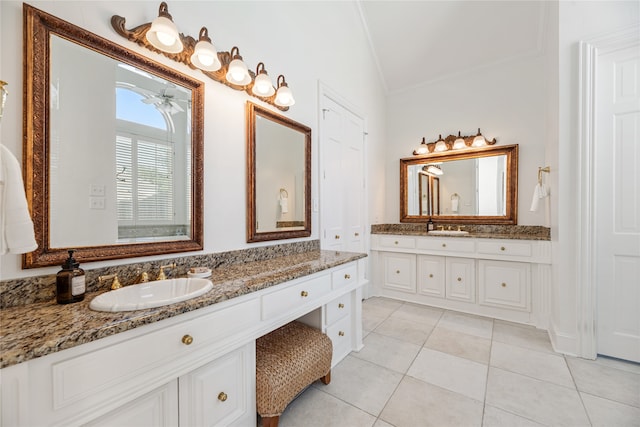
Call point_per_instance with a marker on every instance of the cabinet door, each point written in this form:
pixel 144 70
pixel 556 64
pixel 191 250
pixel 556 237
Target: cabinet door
pixel 399 272
pixel 222 392
pixel 461 279
pixel 431 275
pixel 157 408
pixel 341 334
pixel 504 284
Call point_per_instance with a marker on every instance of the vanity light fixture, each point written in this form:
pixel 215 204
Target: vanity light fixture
pixel 479 140
pixel 205 55
pixel 459 143
pixel 433 169
pixel 262 85
pixel 163 34
pixel 422 148
pixel 237 73
pixel 284 97
pixel 441 144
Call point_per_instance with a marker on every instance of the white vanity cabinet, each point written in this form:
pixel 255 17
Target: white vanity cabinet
pixel 193 369
pixel 500 278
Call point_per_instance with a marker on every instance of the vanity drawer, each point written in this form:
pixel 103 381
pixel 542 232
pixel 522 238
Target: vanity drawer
pixel 341 335
pixel 454 244
pixel 398 242
pixel 287 299
pixel 98 374
pixel 344 276
pixel 338 308
pixel 502 247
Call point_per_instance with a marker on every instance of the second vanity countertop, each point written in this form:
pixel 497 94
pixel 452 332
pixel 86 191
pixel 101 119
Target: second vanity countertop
pixel 513 232
pixel 39 329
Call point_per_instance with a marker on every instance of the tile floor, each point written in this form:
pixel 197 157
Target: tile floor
pixel 423 366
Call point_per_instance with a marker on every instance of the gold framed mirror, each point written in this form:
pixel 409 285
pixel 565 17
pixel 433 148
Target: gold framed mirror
pixel 475 186
pixel 278 176
pixel 113 148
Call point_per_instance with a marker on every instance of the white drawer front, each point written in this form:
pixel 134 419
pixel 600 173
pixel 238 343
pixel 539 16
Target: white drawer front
pixel 83 376
pixel 504 284
pixel 287 299
pixel 344 276
pixel 341 336
pixel 338 308
pixel 502 247
pixel 398 242
pixel 451 244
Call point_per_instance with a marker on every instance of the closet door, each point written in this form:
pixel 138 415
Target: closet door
pixel 342 178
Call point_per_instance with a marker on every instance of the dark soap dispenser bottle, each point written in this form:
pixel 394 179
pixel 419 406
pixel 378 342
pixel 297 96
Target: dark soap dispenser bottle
pixel 430 225
pixel 70 282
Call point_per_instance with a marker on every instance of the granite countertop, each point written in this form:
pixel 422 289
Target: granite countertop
pixel 35 330
pixel 513 232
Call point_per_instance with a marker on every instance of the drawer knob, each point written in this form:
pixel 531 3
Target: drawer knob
pixel 337 236
pixel 341 305
pixel 431 275
pixel 347 276
pixel 187 340
pixel 222 397
pixel 459 279
pixel 444 245
pixel 341 333
pixel 304 294
pixel 502 248
pixel 356 234
pixel 504 285
pixel 397 271
pixel 396 242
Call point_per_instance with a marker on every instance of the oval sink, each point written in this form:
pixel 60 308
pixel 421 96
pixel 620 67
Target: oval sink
pixel 151 294
pixel 448 232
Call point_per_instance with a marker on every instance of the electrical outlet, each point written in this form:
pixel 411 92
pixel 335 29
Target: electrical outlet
pixel 96 202
pixel 96 190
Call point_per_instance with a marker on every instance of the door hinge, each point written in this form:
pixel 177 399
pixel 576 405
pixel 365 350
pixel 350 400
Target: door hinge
pixel 324 112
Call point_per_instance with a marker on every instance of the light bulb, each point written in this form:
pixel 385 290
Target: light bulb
pixel 165 39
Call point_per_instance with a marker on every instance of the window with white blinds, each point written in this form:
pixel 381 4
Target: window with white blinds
pixel 145 175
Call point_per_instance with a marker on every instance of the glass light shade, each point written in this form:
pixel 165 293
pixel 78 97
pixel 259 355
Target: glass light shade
pixel 422 149
pixel 205 56
pixel 459 143
pixel 284 97
pixel 262 86
pixel 163 35
pixel 238 73
pixel 433 170
pixel 479 141
pixel 441 145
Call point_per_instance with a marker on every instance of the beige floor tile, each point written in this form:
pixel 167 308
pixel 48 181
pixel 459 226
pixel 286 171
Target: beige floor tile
pixel 450 372
pixel 543 366
pixel 534 399
pixel 370 322
pixel 405 330
pixel 388 352
pixel 315 408
pixel 522 335
pixel 459 344
pixel 418 313
pixel 606 413
pixel 381 423
pixel 599 380
pixel 467 324
pixel 494 417
pixel 362 384
pixel 380 307
pixel 623 365
pixel 416 403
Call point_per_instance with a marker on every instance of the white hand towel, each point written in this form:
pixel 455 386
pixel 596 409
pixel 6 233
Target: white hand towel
pixel 539 192
pixel 16 226
pixel 284 205
pixel 454 205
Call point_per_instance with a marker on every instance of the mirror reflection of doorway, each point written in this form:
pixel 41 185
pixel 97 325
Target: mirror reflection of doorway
pixel 429 190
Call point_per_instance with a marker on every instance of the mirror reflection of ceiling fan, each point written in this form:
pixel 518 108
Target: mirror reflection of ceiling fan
pixel 167 100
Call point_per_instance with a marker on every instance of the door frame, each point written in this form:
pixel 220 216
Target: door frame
pixel 589 55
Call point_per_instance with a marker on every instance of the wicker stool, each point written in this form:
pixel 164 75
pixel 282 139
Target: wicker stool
pixel 287 361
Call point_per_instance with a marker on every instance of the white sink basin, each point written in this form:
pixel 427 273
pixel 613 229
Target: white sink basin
pixel 151 294
pixel 448 232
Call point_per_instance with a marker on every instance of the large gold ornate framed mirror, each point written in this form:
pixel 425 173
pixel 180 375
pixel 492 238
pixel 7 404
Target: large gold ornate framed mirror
pixel 278 176
pixel 113 146
pixel 474 186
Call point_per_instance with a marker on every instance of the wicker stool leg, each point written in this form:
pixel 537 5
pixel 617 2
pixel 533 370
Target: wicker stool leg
pixel 270 421
pixel 326 379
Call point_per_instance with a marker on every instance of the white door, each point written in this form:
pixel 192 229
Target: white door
pixel 342 178
pixel 617 201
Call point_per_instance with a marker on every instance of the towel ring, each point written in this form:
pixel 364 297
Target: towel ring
pixel 455 196
pixel 286 193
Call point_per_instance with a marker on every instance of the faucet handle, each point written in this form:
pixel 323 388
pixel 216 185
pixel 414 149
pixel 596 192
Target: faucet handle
pixel 143 277
pixel 460 227
pixel 115 284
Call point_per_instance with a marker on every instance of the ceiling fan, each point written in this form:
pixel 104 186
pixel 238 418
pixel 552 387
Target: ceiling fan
pixel 165 100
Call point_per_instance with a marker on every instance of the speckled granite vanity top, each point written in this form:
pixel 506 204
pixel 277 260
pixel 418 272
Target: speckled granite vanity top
pixel 515 232
pixel 38 329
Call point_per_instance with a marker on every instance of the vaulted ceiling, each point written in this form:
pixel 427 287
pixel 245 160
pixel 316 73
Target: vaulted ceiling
pixel 417 42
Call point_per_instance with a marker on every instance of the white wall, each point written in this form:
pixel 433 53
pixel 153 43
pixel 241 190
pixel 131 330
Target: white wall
pixel 506 101
pixel 578 21
pixel 306 41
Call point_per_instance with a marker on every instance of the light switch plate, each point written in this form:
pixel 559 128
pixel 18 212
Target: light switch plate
pixel 96 190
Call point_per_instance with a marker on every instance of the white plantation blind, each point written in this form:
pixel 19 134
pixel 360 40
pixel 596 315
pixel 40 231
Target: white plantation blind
pixel 145 170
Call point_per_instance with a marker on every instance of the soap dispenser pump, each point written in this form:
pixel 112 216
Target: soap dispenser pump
pixel 430 225
pixel 70 281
